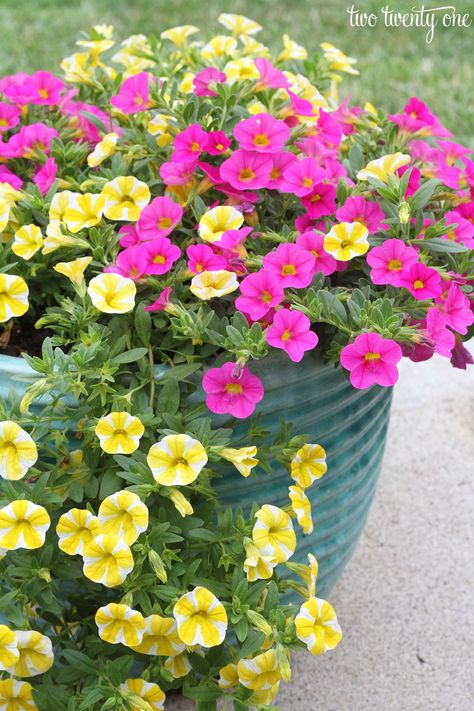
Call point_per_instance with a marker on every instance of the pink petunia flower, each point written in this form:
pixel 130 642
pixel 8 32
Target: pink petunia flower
pixel 270 76
pixel 291 332
pixel 466 211
pixel 158 218
pixel 35 136
pixel 134 94
pixel 391 261
pixel 217 143
pixel 128 235
pixel 131 262
pixel 161 255
pixel 421 281
pixel 7 176
pixel 232 240
pixel 162 303
pixel 303 223
pixel 190 143
pixel 232 390
pixel 313 242
pixel 281 161
pixel 301 177
pixel 290 265
pixel 463 232
pixel 439 333
pixel 44 89
pixel 46 175
pixel 10 85
pixel 178 173
pixel 259 292
pixel 456 307
pixel 357 209
pixel 85 129
pixel 262 133
pixel 202 258
pixel 9 116
pixel 204 78
pixel 414 181
pixel 246 170
pixel 417 118
pixel 328 130
pixel 460 356
pixel 371 360
pixel 321 201
pixel 346 117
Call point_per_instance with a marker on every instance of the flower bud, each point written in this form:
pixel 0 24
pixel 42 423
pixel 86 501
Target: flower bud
pixel 157 566
pixel 404 213
pixel 181 503
pixel 258 621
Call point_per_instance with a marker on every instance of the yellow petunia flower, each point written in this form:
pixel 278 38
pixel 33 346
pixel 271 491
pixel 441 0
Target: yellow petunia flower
pixel 13 297
pixel 160 638
pixel 107 560
pixel 215 222
pixel 251 47
pixel 338 61
pixel 8 195
pixel 239 24
pixel 97 46
pixel 347 240
pixel 265 697
pixel 103 150
pixel 79 68
pixel 179 665
pixel 256 565
pixel 124 515
pixel 28 240
pixel 59 204
pixel 273 533
pixel 73 270
pixel 84 211
pixel 317 626
pixel 384 167
pixel 201 618
pixel 55 239
pixel 260 673
pixel 16 696
pixel 125 197
pixel 17 451
pixel 219 47
pixel 291 50
pixel 313 574
pixel 180 34
pixel 4 215
pixel 76 528
pixel 228 677
pixel 176 460
pixel 147 693
pixel 112 293
pixel 186 85
pixel 302 508
pixel 119 623
pixel 35 654
pixel 23 525
pixel 242 69
pixel 244 458
pixel 9 654
pixel 119 433
pixel 308 464
pixel 209 285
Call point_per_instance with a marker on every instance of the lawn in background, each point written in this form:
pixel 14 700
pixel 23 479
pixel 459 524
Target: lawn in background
pixel 394 64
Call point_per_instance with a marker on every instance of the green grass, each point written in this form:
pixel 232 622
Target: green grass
pixel 394 64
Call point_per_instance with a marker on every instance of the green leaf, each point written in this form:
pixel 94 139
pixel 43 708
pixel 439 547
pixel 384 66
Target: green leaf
pixel 130 356
pixel 169 397
pixel 252 644
pixel 143 325
pixel 424 194
pixel 442 245
pixel 356 158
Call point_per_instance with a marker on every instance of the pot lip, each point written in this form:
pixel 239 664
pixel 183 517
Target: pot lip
pixel 15 365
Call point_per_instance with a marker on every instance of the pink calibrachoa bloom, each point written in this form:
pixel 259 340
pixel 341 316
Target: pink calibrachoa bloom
pixel 281 161
pixel 128 235
pixel 232 390
pixel 321 201
pixel 131 262
pixel 44 89
pixel 190 143
pixel 455 306
pixel 161 255
pixel 246 170
pixel 158 218
pixel 290 265
pixel 46 175
pixel 262 133
pixel 414 181
pixel 422 282
pixel 371 360
pixel 301 177
pixel 202 258
pixel 357 209
pixel 460 356
pixel 9 116
pixel 291 332
pixel 204 78
pixel 7 176
pixel 327 130
pixel 85 129
pixel 391 261
pixel 313 242
pixel 417 118
pixel 463 232
pixel 134 94
pixel 270 76
pixel 217 143
pixel 177 173
pixel 29 138
pixel 439 333
pixel 259 292
pixel 162 303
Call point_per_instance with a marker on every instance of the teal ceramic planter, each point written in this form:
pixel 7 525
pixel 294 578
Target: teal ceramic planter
pixel 319 402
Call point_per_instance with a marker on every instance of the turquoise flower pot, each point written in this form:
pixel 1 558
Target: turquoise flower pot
pixel 319 401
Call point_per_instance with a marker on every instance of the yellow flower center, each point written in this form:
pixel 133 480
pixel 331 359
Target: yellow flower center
pixel 234 388
pixel 394 265
pixel 43 93
pixel 308 183
pixel 266 297
pixel 418 284
pixel 3 122
pixel 246 174
pixel 451 235
pixel 286 335
pixel 138 100
pixel 370 355
pixel 126 199
pixel 219 146
pixel 316 197
pixel 345 243
pixel 159 259
pixel 314 253
pixel 164 223
pixel 274 173
pixel 195 146
pixel 288 270
pixel 261 139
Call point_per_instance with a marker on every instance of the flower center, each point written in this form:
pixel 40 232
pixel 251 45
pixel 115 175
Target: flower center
pixel 288 270
pixel 195 146
pixel 314 253
pixel 159 259
pixel 308 183
pixel 345 243
pixel 164 223
pixel 219 146
pixel 261 139
pixel 316 197
pixel 266 297
pixel 124 199
pixel 418 284
pixel 120 431
pixel 234 388
pixel 246 174
pixel 43 93
pixel 138 100
pixel 394 265
pixel 451 235
pixel 286 335
pixel 3 122
pixel 274 173
pixel 370 355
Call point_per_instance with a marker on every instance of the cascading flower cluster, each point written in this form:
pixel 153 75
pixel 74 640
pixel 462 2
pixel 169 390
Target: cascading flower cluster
pixel 170 211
